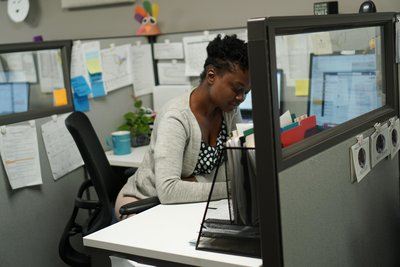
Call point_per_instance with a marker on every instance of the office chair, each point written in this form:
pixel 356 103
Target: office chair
pixel 103 179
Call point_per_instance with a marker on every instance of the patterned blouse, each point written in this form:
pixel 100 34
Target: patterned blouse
pixel 209 155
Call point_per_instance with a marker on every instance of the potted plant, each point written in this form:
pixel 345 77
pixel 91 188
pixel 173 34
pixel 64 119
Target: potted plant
pixel 138 123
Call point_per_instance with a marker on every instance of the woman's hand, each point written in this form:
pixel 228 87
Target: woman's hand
pixel 190 179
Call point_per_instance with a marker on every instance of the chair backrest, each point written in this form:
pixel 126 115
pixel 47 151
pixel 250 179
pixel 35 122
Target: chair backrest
pixel 97 166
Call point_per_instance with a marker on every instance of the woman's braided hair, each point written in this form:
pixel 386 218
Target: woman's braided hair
pixel 226 53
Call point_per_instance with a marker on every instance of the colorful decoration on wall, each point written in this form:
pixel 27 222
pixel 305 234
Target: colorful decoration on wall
pixel 147 15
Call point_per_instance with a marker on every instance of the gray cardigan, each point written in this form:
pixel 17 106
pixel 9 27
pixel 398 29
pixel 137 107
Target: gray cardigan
pixel 173 153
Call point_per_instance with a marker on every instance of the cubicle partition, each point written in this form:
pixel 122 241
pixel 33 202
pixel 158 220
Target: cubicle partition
pixel 321 204
pixel 47 206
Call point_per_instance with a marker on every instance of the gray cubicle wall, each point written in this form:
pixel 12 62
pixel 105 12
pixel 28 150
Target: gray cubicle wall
pixel 329 221
pixel 33 218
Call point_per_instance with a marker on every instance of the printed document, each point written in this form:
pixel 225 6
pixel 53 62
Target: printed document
pixel 20 155
pixel 142 69
pixel 62 152
pixel 20 67
pixel 168 50
pixel 172 73
pixel 116 67
pixel 78 66
pixel 50 70
pixel 195 48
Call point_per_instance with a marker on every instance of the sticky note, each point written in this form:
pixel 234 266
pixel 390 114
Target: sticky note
pixel 93 62
pixel 81 103
pixel 96 80
pixel 60 97
pixel 317 102
pixel 301 87
pixel 80 86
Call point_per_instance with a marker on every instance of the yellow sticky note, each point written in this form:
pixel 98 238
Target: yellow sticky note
pixel 60 97
pixel 301 87
pixel 317 102
pixel 93 65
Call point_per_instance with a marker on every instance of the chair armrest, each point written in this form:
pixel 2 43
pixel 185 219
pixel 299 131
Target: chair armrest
pixel 86 204
pixel 139 206
pixel 84 186
pixel 129 172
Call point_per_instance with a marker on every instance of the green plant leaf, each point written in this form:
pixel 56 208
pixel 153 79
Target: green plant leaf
pixel 138 103
pixel 137 122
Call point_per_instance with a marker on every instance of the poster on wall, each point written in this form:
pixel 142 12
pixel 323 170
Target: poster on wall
pixel 87 3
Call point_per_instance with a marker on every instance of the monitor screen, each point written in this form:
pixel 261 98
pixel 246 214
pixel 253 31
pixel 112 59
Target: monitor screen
pixel 246 107
pixel 342 87
pixel 13 97
pixel 20 97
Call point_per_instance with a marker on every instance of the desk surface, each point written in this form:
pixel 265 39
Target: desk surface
pixel 131 160
pixel 164 232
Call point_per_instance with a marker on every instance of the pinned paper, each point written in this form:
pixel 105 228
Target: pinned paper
pixel 359 159
pixel 20 155
pixel 78 66
pixel 168 50
pixel 394 142
pixel 21 67
pixel 321 43
pixel 60 97
pixel 195 50
pixel 61 149
pixel 379 143
pixel 172 73
pixel 301 87
pixel 142 69
pixel 92 57
pixel 116 64
pixel 50 70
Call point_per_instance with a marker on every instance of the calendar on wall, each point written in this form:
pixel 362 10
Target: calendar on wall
pixel 88 3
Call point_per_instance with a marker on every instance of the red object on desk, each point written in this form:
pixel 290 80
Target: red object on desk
pixel 296 134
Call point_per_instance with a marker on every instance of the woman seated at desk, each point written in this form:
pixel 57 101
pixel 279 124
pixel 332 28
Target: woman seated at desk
pixel 191 130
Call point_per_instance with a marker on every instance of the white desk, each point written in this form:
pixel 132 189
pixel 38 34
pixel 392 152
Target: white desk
pixel 131 160
pixel 164 233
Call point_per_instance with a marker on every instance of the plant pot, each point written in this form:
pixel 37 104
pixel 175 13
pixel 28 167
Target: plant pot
pixel 140 140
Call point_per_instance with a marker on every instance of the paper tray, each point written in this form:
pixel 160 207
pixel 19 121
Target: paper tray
pixel 221 229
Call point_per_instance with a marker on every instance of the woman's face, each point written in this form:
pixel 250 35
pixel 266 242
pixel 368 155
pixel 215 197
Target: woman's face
pixel 229 89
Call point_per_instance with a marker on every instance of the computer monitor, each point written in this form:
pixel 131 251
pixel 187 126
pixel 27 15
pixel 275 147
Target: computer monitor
pixel 342 87
pixel 246 108
pixel 30 76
